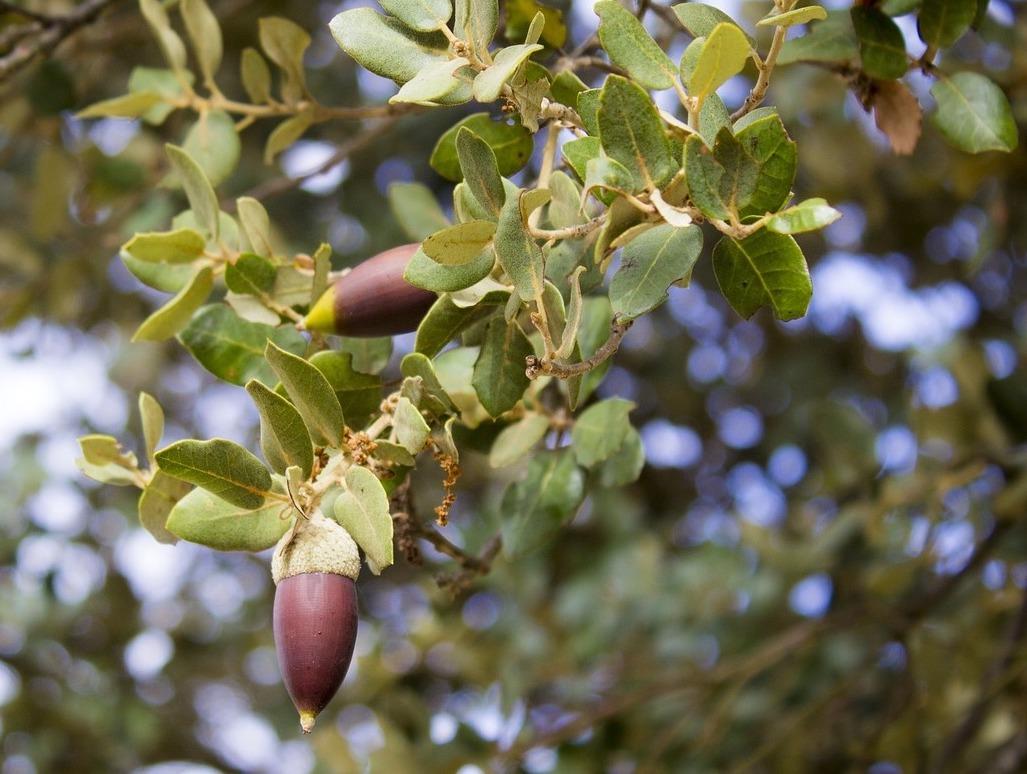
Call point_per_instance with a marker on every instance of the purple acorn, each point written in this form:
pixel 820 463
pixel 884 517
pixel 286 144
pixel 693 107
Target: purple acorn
pixel 315 612
pixel 373 299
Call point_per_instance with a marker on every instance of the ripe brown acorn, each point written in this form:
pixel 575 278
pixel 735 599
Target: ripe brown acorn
pixel 315 612
pixel 373 299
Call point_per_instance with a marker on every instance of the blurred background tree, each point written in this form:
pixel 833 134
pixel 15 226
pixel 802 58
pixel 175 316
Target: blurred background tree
pixel 822 568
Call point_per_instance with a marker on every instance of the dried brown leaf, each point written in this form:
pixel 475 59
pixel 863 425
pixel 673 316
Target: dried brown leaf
pixel 897 113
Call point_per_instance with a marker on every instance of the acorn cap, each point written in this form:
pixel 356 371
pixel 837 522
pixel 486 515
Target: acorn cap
pixel 320 545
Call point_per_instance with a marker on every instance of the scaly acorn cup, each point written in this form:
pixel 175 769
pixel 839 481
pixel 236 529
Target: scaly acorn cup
pixel 373 299
pixel 315 612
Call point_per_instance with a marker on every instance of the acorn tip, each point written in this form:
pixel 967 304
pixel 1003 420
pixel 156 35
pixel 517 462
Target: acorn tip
pixel 307 721
pixel 321 317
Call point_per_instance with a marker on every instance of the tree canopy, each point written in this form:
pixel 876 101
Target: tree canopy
pixel 707 455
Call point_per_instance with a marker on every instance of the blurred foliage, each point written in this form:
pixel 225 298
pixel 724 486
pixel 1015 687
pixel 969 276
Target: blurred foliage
pixel 822 568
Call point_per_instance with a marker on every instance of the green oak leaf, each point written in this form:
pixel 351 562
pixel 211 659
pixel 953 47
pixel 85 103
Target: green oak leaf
pixel 766 141
pixel 202 518
pixel 831 41
pixel 803 15
pixel 176 313
pixel 411 430
pixel 535 508
pixel 632 133
pixel 251 274
pixel 765 269
pixel 156 502
pixel 506 62
pixel 512 145
pixel 881 45
pixel 700 19
pixel 460 244
pixel 222 467
pixel 721 182
pixel 198 190
pixel 385 46
pixel 420 15
pixel 942 22
pixel 475 21
pixel 419 366
pixel 423 272
pixel 213 143
pixel 625 465
pixel 416 210
pixel 445 321
pixel 631 47
pixel 285 44
pixel 359 394
pixel 182 245
pixel 480 170
pixel 723 55
pixel 499 378
pixel 311 394
pixel 283 436
pixel 600 430
pixel 517 251
pixel 974 114
pixel 232 348
pixel 518 439
pixel 443 82
pixel 579 152
pixel 650 265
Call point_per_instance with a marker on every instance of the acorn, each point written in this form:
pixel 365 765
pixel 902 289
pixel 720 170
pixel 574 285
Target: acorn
pixel 315 612
pixel 373 299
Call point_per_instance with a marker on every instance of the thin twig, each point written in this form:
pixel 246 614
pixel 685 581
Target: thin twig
pixel 732 675
pixel 536 367
pixel 968 728
pixel 666 13
pixel 545 169
pixel 478 564
pixel 774 650
pixel 589 44
pixel 919 607
pixel 409 529
pixel 50 32
pixel 559 112
pixel 317 111
pixel 1009 757
pixel 42 18
pixel 766 68
pixel 738 230
pixel 581 62
pixel 569 232
pixel 280 185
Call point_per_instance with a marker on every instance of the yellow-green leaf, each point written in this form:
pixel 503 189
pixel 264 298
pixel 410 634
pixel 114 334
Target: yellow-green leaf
pixel 795 16
pixel 363 509
pixel 722 56
pixel 126 106
pixel 175 314
pixel 205 34
pixel 179 246
pixel 459 244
